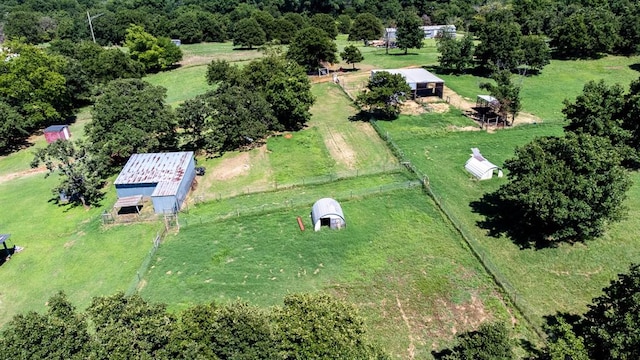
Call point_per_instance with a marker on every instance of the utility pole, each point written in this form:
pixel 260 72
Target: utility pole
pixel 91 25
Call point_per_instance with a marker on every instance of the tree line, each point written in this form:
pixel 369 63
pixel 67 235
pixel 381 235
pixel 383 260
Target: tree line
pixel 574 28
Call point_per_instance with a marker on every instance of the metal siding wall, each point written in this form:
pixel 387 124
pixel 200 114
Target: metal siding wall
pixel 187 180
pixel 163 204
pixel 135 189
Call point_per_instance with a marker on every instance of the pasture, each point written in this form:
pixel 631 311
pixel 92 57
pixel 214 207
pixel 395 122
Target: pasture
pixel 399 259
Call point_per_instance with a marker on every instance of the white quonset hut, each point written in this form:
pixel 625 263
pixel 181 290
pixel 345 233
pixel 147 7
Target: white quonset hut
pixel 327 212
pixel 165 177
pixel 481 168
pixel 421 81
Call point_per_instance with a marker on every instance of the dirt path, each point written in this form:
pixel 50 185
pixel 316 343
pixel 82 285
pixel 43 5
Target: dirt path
pixel 22 174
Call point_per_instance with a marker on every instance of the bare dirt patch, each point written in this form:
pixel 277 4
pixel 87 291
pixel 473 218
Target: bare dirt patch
pixel 232 167
pixel 21 174
pixel 339 149
pixel 411 107
pixel 439 107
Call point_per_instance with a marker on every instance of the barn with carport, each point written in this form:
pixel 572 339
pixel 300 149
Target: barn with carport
pixel 421 81
pixel 164 177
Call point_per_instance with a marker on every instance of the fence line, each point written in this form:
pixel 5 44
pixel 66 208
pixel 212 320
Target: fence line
pixel 304 181
pixel 471 242
pixel 146 262
pixel 185 221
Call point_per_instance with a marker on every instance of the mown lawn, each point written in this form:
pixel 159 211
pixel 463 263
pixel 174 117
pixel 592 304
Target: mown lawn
pixel 548 280
pixel 65 249
pixel 397 260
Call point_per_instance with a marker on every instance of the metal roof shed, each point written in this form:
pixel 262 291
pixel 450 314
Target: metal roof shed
pixel 165 177
pixel 327 212
pixel 481 168
pixel 419 80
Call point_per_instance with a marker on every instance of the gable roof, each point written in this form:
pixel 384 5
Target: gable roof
pixel 55 128
pixel 414 76
pixel 155 168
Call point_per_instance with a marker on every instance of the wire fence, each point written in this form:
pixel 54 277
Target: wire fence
pixel 470 240
pixel 302 181
pixel 146 262
pixel 301 200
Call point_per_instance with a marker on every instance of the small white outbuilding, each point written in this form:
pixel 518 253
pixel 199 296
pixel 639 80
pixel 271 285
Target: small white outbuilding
pixel 327 212
pixel 481 168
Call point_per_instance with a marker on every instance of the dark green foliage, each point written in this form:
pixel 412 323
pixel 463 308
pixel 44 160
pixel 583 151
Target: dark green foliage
pixel 221 70
pixel 225 119
pixel 507 94
pixel 13 129
pixel 535 51
pixel 631 115
pixel 325 22
pixel 365 27
pixel 24 26
pixel 629 39
pixel 154 53
pixel 31 82
pixel 344 24
pixel 455 55
pixel 585 33
pixel 563 342
pixel 247 33
pixel 351 55
pixel 129 327
pixel 60 334
pixel 489 342
pixel 320 327
pixel 500 41
pixel 409 34
pixel 385 94
pixel 79 169
pixel 265 21
pixel 612 324
pixel 306 327
pixel 283 30
pixel 310 47
pixel 560 190
pixel 130 117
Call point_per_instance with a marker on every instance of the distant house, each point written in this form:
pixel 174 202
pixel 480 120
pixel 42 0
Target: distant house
pixel 421 81
pixel 165 177
pixel 327 212
pixel 481 168
pixel 57 132
pixel 430 32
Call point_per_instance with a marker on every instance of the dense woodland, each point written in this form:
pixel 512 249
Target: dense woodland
pixel 40 86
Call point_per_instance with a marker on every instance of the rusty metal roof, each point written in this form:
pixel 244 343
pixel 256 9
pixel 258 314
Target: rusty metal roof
pixel 155 168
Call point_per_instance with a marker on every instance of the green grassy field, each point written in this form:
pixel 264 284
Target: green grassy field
pixel 396 258
pixel 546 281
pixel 64 249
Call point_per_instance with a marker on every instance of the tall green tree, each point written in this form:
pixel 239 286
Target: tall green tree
pixel 500 41
pixel 81 171
pixel 351 55
pixel 247 33
pixel 384 95
pixel 585 32
pixel 311 47
pixel 344 23
pixel 325 22
pixel 535 52
pixel 409 32
pixel 560 190
pixel 154 53
pixel 13 129
pixel 365 27
pixel 129 117
pixel 455 55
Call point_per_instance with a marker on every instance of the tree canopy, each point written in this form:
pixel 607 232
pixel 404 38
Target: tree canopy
pixel 365 27
pixel 351 55
pixel 154 53
pixel 409 34
pixel 384 95
pixel 247 33
pixel 311 47
pixel 130 116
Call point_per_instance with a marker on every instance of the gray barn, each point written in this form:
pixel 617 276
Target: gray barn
pixel 327 212
pixel 165 177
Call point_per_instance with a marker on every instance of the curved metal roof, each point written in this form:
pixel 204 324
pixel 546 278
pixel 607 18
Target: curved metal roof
pixel 326 207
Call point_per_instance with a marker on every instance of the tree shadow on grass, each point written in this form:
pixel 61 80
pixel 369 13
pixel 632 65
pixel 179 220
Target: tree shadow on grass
pixel 635 67
pixel 502 218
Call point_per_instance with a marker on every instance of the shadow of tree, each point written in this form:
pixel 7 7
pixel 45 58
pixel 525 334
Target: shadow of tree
pixel 635 67
pixel 504 218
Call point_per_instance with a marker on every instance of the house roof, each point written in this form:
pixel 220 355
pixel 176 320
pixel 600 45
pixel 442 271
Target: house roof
pixel 414 76
pixel 487 98
pixel 326 207
pixel 55 128
pixel 164 169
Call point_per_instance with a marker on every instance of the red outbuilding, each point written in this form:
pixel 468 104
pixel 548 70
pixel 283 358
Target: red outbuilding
pixel 57 132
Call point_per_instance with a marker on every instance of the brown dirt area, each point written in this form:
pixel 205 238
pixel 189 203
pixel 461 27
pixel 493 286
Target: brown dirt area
pixel 21 174
pixel 339 149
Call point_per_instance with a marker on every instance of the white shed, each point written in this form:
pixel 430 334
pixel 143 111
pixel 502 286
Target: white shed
pixel 327 212
pixel 480 167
